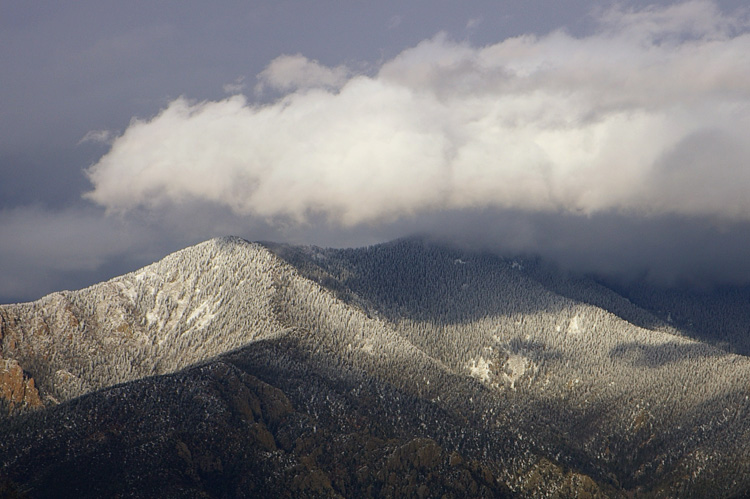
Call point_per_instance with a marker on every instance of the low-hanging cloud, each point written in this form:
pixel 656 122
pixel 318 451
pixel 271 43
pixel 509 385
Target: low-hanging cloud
pixel 43 251
pixel 646 115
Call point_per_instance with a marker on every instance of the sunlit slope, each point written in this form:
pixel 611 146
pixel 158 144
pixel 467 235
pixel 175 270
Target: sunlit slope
pixel 191 305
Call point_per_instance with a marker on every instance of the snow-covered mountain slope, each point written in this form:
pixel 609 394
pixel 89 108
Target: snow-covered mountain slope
pixel 190 306
pixel 480 338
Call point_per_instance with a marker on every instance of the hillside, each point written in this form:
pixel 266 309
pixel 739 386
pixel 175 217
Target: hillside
pixel 232 368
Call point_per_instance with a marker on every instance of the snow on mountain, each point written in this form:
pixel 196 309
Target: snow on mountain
pixel 190 306
pixel 472 334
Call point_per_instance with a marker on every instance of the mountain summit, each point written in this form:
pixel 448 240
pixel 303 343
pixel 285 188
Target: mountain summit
pixel 242 369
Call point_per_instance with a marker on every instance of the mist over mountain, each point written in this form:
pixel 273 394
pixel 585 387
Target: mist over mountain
pixel 407 368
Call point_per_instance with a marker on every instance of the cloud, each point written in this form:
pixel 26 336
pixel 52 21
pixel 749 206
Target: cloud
pixel 97 137
pixel 668 250
pixel 236 87
pixel 51 250
pixel 696 19
pixel 394 22
pixel 473 23
pixel 297 72
pixel 623 151
pixel 646 115
pixel 44 250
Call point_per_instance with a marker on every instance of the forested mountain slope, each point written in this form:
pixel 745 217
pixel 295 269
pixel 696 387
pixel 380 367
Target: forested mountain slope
pixel 512 379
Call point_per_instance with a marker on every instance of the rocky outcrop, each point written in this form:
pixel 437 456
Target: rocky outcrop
pixel 17 390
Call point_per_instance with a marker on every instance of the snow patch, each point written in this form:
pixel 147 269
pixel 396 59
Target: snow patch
pixel 128 291
pixel 574 327
pixel 151 317
pixel 367 347
pixel 505 369
pixel 203 315
pixel 515 367
pixel 480 369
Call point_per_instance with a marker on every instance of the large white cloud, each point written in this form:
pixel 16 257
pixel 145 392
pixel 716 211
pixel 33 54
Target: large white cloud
pixel 649 114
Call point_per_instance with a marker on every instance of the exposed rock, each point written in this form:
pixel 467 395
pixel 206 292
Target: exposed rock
pixel 17 389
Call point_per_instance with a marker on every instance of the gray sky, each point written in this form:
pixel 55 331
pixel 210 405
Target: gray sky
pixel 610 138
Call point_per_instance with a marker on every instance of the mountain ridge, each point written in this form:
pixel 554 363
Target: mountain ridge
pixel 558 383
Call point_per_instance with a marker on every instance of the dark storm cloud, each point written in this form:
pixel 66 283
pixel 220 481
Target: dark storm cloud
pixel 664 249
pixel 616 144
pixel 40 248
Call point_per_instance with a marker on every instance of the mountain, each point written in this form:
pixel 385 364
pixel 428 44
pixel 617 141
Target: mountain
pixel 237 369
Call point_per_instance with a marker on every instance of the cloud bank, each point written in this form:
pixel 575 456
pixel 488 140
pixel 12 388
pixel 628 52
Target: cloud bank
pixel 42 251
pixel 647 115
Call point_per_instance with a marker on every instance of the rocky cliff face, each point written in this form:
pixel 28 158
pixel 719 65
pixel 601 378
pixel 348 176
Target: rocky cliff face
pixel 233 368
pixel 17 389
